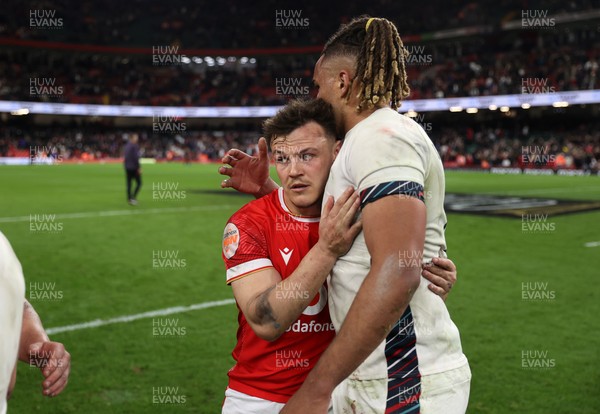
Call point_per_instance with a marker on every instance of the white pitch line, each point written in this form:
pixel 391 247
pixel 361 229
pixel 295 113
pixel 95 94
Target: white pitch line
pixel 592 244
pixel 544 190
pixel 115 213
pixel 129 318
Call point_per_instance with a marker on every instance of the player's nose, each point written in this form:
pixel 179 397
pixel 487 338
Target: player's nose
pixel 295 167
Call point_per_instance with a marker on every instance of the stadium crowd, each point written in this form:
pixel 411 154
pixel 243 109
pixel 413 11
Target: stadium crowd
pixel 560 61
pixel 90 144
pixel 150 22
pixel 483 147
pixel 491 62
pixel 547 62
pixel 497 147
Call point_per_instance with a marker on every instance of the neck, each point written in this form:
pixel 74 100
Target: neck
pixel 351 117
pixel 313 210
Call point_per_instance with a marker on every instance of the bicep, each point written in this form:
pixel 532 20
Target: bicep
pixel 394 229
pixel 248 288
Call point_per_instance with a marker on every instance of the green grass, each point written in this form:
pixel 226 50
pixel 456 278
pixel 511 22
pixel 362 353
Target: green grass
pixel 103 266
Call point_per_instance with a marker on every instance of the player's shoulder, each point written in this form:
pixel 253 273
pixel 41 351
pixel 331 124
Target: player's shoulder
pixel 251 223
pixel 389 130
pixel 255 212
pixel 7 252
pixel 400 124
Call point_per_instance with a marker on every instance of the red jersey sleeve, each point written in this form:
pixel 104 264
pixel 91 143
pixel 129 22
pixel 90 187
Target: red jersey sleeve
pixel 245 249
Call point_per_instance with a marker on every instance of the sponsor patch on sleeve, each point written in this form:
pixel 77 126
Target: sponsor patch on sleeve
pixel 231 240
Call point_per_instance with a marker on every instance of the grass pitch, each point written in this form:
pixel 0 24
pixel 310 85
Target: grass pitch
pixel 75 235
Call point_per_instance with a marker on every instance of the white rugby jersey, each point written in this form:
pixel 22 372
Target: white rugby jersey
pixel 12 297
pixel 389 153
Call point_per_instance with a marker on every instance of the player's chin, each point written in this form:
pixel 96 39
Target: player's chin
pixel 304 199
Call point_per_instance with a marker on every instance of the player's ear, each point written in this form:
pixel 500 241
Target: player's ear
pixel 337 147
pixel 344 83
pixel 271 150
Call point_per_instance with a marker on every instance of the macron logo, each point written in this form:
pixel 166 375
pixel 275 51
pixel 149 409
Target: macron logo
pixel 286 254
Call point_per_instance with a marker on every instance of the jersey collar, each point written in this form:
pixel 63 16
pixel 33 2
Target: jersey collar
pixel 303 219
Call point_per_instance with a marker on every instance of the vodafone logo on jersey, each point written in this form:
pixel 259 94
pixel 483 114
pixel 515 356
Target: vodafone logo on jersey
pixel 303 326
pixel 319 306
pixel 231 240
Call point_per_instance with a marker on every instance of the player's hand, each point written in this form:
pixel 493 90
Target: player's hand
pixel 247 174
pixel 55 363
pixel 337 228
pixel 442 275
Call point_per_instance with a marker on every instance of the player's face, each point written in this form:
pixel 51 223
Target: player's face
pixel 303 160
pixel 327 81
pixel 324 82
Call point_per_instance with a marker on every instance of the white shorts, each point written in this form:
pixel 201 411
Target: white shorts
pixel 239 403
pixel 446 392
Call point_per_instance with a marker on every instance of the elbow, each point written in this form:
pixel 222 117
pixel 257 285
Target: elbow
pixel 269 334
pixel 263 319
pixel 403 275
pixel 272 337
pixel 411 278
pixel 400 282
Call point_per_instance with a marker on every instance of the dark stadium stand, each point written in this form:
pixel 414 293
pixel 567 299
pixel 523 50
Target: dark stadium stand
pixel 179 55
pixel 518 63
pixel 193 24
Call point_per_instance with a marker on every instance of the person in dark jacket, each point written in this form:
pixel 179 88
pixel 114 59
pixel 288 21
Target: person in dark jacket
pixel 132 168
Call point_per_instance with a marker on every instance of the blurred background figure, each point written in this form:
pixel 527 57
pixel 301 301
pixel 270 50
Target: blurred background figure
pixel 132 168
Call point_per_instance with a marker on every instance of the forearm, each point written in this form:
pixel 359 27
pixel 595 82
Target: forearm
pixel 379 304
pixel 32 331
pixel 268 187
pixel 281 305
pixel 12 382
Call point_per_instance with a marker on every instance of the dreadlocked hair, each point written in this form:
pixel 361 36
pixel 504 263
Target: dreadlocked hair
pixel 380 60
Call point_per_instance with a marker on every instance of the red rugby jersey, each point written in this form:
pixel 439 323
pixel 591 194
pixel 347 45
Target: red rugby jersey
pixel 263 234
